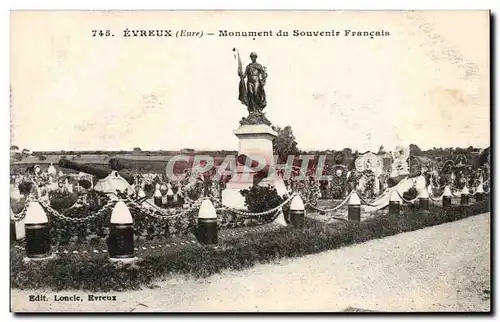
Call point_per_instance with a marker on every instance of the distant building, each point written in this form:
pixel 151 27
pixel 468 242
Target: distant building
pixel 188 150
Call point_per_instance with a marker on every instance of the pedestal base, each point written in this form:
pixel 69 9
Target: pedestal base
pixel 242 179
pixel 232 198
pixel 256 142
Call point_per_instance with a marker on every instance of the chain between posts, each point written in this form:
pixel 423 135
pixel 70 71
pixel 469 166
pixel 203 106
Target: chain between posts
pixel 406 200
pixel 436 199
pixel 20 216
pixel 336 207
pixel 51 211
pixel 195 204
pixel 255 214
pixel 364 201
pixel 164 216
pixel 370 204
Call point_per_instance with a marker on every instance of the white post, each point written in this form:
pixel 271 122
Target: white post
pixel 394 202
pixel 297 212
pixel 354 207
pixel 121 235
pixel 207 223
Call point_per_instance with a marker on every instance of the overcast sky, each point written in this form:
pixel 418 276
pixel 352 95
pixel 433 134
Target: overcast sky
pixel 427 83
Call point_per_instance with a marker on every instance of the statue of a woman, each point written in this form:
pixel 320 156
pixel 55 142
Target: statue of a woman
pixel 252 94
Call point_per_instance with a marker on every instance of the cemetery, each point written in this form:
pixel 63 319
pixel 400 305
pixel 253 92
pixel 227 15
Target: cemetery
pixel 89 226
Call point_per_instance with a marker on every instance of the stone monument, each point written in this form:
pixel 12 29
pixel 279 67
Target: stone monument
pixel 255 134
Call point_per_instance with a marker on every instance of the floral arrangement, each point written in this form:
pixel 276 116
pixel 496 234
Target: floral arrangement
pixel 367 185
pixel 338 181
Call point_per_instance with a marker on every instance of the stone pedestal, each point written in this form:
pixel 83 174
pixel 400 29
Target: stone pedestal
pixel 255 141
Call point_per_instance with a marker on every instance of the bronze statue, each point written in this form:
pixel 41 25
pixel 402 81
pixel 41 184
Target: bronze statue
pixel 252 93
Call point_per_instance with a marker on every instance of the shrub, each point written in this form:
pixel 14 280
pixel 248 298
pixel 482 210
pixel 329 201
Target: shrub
pixel 25 187
pixel 411 194
pixel 261 198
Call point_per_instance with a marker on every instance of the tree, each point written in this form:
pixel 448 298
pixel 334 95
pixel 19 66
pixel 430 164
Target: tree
pixel 381 150
pixel 14 148
pixel 347 153
pixel 16 156
pixel 473 149
pixel 285 144
pixel 483 157
pixel 415 150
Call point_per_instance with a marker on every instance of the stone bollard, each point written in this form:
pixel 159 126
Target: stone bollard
pixel 141 193
pixel 447 197
pixel 394 203
pixel 12 230
pixel 479 195
pixel 176 200
pixel 297 212
pixel 121 234
pixel 207 223
pixel 354 207
pixel 170 198
pixel 37 232
pixel 423 201
pixel 157 198
pixel 464 196
pixel 180 199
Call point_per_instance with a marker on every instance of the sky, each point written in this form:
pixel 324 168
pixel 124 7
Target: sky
pixel 427 83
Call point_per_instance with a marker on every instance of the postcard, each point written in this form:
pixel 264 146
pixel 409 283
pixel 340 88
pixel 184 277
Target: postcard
pixel 250 161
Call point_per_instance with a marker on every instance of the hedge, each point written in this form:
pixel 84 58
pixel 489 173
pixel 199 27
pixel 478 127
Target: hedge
pixel 91 272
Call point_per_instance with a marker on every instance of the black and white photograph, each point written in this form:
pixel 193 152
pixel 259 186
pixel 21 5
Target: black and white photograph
pixel 250 161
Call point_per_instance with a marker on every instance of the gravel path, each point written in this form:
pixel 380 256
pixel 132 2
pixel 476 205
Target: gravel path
pixel 442 268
